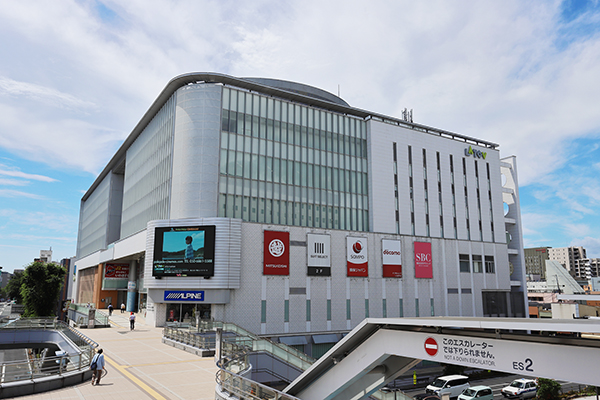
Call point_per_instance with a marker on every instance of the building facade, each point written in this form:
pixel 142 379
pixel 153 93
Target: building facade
pixel 279 207
pixel 567 256
pixel 535 262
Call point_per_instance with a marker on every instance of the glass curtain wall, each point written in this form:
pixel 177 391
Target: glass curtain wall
pixel 283 163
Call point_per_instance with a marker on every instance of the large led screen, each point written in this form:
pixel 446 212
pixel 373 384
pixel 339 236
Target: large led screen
pixel 184 251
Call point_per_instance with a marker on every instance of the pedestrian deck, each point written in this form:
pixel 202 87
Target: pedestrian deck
pixel 140 366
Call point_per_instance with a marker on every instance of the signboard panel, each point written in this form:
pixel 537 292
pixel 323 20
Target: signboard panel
pixel 276 253
pixel 184 295
pixel 184 251
pixel 357 257
pixel 391 253
pixel 116 271
pixel 423 260
pixel 319 254
pixel 511 356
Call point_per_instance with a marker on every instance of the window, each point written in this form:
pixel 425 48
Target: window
pixel 490 268
pixel 464 262
pixel 477 264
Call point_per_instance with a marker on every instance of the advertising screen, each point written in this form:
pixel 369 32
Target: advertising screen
pixel 276 253
pixel 184 251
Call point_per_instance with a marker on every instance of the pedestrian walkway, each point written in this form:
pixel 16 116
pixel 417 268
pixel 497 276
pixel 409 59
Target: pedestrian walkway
pixel 140 366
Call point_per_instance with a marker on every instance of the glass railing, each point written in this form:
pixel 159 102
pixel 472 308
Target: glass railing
pixel 79 314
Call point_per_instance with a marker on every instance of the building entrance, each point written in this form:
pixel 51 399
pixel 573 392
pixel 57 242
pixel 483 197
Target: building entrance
pixel 181 312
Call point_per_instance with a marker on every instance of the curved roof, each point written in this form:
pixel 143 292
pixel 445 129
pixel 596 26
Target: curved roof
pixel 300 88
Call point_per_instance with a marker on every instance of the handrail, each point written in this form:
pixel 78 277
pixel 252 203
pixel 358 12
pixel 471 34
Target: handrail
pixel 244 388
pixel 36 366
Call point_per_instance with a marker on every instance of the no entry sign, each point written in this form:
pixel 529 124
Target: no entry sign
pixel 431 346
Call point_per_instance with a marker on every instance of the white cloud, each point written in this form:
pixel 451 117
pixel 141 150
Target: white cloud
pixel 4 170
pixel 18 193
pixel 41 93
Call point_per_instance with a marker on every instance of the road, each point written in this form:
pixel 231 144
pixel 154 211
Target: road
pixel 498 383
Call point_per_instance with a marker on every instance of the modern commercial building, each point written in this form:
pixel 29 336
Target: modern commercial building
pixel 279 207
pixel 535 262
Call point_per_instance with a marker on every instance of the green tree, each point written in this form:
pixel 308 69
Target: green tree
pixel 40 288
pixel 548 389
pixel 13 287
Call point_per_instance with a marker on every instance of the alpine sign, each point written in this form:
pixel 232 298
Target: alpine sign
pixel 184 295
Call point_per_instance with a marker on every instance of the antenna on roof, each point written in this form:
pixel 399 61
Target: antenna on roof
pixel 338 90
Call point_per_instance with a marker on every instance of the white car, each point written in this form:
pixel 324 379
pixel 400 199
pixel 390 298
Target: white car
pixel 520 389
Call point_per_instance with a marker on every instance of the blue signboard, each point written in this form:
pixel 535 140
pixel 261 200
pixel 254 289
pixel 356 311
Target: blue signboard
pixel 184 295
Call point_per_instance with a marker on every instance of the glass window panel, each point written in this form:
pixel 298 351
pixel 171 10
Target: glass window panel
pixel 253 166
pixel 246 171
pixel 261 168
pixel 276 170
pixel 464 262
pixel 309 175
pixel 283 177
pixel 223 162
pixel 268 211
pixel 290 176
pixel 303 175
pixel 226 95
pixel 269 171
pixel 239 159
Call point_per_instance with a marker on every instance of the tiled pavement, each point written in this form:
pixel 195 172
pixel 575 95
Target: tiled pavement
pixel 140 366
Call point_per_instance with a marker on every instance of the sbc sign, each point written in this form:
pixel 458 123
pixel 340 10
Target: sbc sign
pixel 423 262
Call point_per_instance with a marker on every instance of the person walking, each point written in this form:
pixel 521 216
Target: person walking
pixel 131 321
pixel 110 309
pixel 98 363
pixel 122 308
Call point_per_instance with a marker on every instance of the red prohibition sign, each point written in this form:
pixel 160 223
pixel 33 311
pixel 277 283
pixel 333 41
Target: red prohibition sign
pixel 431 346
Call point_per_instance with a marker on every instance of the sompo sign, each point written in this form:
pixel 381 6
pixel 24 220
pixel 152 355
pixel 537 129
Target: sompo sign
pixel 475 153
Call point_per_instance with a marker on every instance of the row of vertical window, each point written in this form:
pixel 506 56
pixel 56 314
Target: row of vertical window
pixel 282 212
pixel 272 169
pixel 294 135
pixel 427 198
pixel 476 263
pixel 260 106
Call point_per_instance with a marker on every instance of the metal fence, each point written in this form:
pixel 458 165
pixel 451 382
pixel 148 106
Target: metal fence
pixel 39 364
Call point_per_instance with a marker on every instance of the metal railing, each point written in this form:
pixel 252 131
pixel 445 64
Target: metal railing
pixel 235 384
pixel 36 365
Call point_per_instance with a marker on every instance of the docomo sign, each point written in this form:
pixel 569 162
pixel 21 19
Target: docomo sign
pixel 357 257
pixel 423 260
pixel 391 253
pixel 276 253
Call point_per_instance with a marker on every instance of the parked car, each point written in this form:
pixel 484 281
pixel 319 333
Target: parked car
pixel 520 389
pixel 426 396
pixel 477 393
pixel 451 384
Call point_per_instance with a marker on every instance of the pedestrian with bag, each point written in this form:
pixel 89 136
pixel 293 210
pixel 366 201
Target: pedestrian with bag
pixel 97 367
pixel 131 321
pixel 122 308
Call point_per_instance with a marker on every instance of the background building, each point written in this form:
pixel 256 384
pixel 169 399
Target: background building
pixel 567 256
pixel 279 207
pixel 535 262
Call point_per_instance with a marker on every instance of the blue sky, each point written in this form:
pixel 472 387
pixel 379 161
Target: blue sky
pixel 76 76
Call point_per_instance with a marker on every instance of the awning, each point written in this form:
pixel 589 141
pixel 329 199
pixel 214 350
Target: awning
pixel 293 340
pixel 329 338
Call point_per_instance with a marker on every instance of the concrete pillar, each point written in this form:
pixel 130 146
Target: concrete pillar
pixel 131 287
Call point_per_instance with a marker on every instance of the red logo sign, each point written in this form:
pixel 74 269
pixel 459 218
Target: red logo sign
pixel 357 260
pixel 276 253
pixel 431 346
pixel 116 271
pixel 423 262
